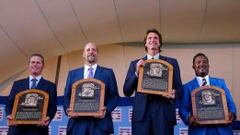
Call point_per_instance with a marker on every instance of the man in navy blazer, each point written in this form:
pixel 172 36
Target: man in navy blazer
pixel 36 65
pixel 100 124
pixel 152 114
pixel 201 67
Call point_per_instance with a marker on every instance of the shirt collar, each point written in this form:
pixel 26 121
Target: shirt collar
pixel 86 67
pixel 199 79
pixel 38 78
pixel 155 56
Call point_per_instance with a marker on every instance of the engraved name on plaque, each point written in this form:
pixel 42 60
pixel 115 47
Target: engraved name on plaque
pixel 155 78
pixel 30 106
pixel 87 97
pixel 209 105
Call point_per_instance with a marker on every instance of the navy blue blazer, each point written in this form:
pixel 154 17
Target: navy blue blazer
pixel 22 85
pixel 140 99
pixel 107 76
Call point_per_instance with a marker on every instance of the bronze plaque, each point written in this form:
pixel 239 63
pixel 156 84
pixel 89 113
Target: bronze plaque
pixel 155 78
pixel 30 106
pixel 87 97
pixel 209 105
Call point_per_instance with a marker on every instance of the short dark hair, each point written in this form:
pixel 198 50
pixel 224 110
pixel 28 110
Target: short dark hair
pixel 199 54
pixel 153 30
pixel 37 54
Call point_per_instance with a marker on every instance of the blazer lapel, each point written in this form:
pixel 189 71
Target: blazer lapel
pixel 195 83
pixel 40 84
pixel 145 57
pixel 26 82
pixel 81 73
pixel 161 58
pixel 211 81
pixel 97 74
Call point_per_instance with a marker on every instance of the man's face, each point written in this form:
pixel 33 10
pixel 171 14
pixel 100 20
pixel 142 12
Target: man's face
pixel 208 96
pixel 152 41
pixel 90 53
pixel 156 67
pixel 35 65
pixel 201 66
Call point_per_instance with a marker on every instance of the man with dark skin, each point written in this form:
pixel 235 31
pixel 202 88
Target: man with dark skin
pixel 201 68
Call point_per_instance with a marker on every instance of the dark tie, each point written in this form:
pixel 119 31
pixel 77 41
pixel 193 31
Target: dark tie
pixel 204 82
pixel 90 72
pixel 34 83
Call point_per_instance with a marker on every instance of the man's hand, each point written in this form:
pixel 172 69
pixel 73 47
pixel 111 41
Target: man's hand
pixel 102 113
pixel 73 115
pixel 140 63
pixel 172 95
pixel 230 116
pixel 10 120
pixel 44 122
pixel 193 121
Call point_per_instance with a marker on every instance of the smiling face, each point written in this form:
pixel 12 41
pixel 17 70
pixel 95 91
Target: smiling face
pixel 90 54
pixel 36 66
pixel 201 65
pixel 152 42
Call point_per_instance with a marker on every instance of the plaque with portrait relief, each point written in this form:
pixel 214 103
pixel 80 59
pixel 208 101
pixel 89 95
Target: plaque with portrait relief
pixel 209 105
pixel 87 97
pixel 155 77
pixel 30 106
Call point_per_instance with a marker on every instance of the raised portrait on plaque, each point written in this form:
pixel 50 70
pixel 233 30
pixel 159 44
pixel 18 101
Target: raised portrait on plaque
pixel 155 77
pixel 208 97
pixel 87 97
pixel 30 107
pixel 31 100
pixel 87 90
pixel 209 105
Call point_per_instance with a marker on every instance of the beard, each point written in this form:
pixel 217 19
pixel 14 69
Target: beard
pixel 91 59
pixel 202 72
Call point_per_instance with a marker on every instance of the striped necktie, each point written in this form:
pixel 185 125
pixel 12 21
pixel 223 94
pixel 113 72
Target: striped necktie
pixel 204 82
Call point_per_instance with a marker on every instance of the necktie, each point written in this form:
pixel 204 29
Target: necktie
pixel 204 82
pixel 34 83
pixel 90 72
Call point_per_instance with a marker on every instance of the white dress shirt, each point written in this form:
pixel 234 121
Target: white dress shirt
pixel 200 80
pixel 153 57
pixel 86 67
pixel 30 80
